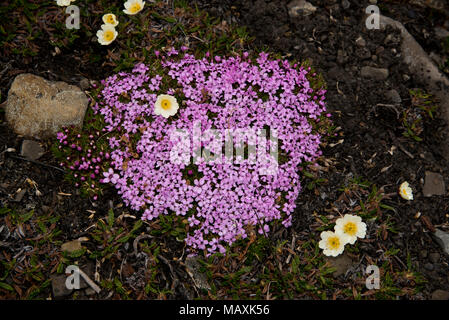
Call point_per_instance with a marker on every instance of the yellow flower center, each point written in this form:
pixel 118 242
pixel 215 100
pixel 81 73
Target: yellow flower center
pixel 110 19
pixel 333 243
pixel 166 104
pixel 108 35
pixel 135 7
pixel 350 228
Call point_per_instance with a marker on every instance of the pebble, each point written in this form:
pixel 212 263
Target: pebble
pixel 374 73
pixel 71 246
pixel 360 41
pixel 429 266
pixel 298 8
pixel 442 238
pixel 433 184
pixel 31 150
pixel 393 96
pixel 341 263
pixel 440 295
pixel 59 288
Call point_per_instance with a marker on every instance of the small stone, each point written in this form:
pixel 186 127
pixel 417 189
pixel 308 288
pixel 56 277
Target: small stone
pixel 193 269
pixel 31 150
pixel 429 266
pixel 440 295
pixel 298 8
pixel 360 41
pixel 341 263
pixel 84 84
pixel 434 257
pixel 19 195
pixel 433 184
pixel 59 287
pixel 393 96
pixel 442 238
pixel 71 246
pixel 374 73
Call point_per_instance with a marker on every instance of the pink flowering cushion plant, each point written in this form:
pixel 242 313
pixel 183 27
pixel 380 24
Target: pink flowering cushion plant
pixel 220 199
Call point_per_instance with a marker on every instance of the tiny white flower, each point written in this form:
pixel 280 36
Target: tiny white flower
pixel 166 105
pixel 332 243
pixel 107 34
pixel 111 19
pixel 63 3
pixel 351 227
pixel 133 6
pixel 405 191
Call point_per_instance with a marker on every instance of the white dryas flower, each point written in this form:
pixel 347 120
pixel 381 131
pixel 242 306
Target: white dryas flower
pixel 166 105
pixel 111 19
pixel 64 3
pixel 133 6
pixel 332 243
pixel 405 191
pixel 351 227
pixel 107 34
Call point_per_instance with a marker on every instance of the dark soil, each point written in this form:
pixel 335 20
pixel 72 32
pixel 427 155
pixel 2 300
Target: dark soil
pixel 369 127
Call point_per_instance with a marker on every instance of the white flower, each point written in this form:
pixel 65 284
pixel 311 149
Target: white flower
pixel 166 106
pixel 405 191
pixel 332 243
pixel 350 227
pixel 107 34
pixel 133 6
pixel 64 3
pixel 111 19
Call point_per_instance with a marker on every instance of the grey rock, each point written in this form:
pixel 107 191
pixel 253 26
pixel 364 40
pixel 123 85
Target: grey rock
pixel 298 8
pixel 433 184
pixel 442 238
pixel 31 150
pixel 440 295
pixel 429 266
pixel 59 287
pixel 19 195
pixel 393 96
pixel 38 108
pixel 436 58
pixel 84 84
pixel 374 73
pixel 193 269
pixel 341 263
pixel 434 257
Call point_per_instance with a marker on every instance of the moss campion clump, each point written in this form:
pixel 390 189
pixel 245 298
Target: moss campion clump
pixel 220 198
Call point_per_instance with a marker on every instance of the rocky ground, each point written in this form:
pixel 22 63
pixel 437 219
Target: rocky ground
pixel 389 131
